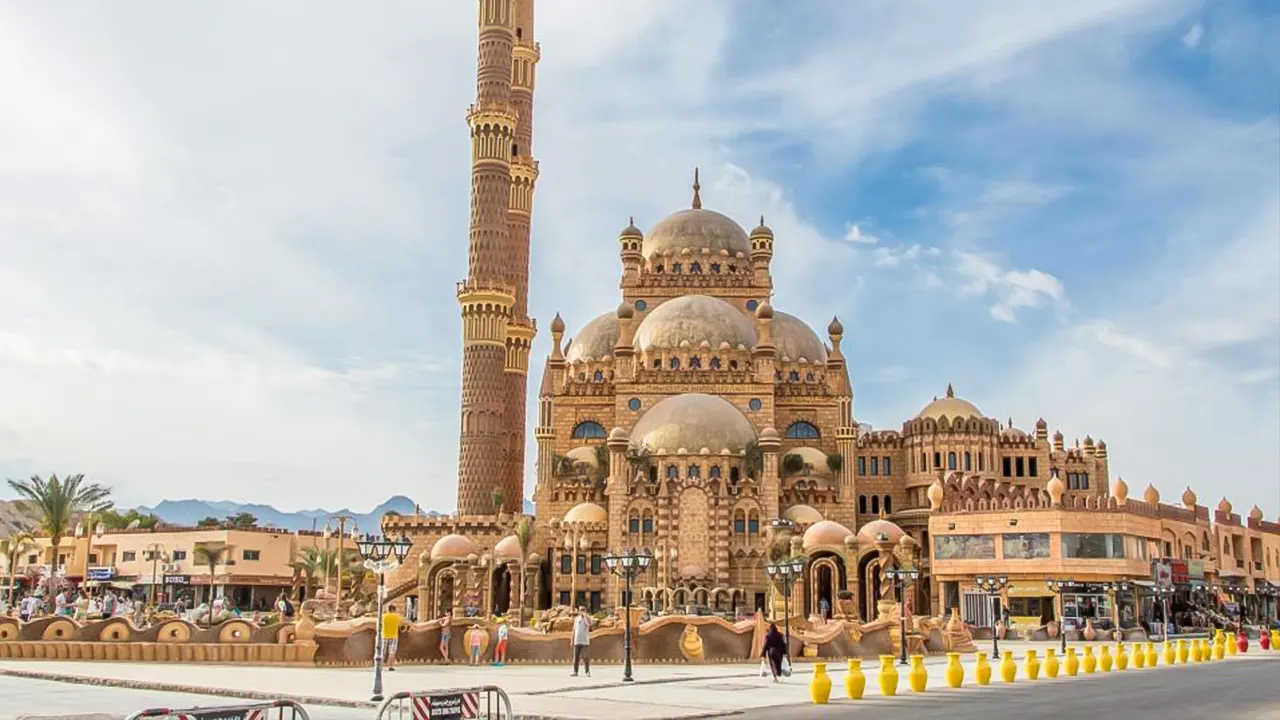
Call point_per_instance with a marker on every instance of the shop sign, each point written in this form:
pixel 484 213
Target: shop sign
pixel 1179 570
pixel 100 574
pixel 1195 569
pixel 177 580
pixel 1162 573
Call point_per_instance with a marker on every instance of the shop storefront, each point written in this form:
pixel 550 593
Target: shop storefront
pixel 1087 602
pixel 1031 606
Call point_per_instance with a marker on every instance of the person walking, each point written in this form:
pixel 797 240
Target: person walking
pixel 28 607
pixel 774 650
pixel 390 637
pixel 446 634
pixel 581 641
pixel 500 650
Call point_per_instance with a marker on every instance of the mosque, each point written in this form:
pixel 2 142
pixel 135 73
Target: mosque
pixel 697 421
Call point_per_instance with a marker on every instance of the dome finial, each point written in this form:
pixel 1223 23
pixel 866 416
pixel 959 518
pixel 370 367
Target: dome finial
pixel 697 198
pixel 950 392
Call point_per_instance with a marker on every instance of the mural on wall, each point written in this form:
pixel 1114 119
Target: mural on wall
pixel 1026 546
pixel 964 547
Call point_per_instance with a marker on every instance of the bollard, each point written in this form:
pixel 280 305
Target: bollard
pixel 820 685
pixel 1105 663
pixel 1242 641
pixel 1152 657
pixel 1170 654
pixel 1183 652
pixel 917 676
pixel 1050 664
pixel 1122 658
pixel 888 676
pixel 1139 657
pixel 1275 639
pixel 1072 663
pixel 982 671
pixel 1202 650
pixel 855 682
pixel 1090 662
pixel 1229 644
pixel 1264 639
pixel 1008 668
pixel 955 671
pixel 1032 665
pixel 1219 647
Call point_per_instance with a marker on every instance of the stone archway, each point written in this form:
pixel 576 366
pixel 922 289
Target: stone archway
pixel 824 579
pixel 443 591
pixel 869 574
pixel 500 590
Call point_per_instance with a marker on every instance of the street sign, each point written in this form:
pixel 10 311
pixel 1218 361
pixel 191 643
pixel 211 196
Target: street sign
pixel 458 706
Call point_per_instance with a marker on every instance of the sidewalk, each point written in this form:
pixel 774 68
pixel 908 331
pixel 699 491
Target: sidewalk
pixel 660 691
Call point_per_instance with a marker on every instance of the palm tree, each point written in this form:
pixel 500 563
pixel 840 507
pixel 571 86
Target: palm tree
pixel 524 536
pixel 309 562
pixel 11 548
pixel 55 504
pixel 211 556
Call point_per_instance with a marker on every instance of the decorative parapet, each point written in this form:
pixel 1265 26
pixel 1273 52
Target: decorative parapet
pixel 486 311
pixel 173 640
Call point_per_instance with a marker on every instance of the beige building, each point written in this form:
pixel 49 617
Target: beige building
pixel 255 570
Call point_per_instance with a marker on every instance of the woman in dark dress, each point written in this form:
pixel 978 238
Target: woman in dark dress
pixel 775 648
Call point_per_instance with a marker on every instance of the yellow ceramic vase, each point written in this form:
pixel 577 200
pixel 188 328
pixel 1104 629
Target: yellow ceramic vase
pixel 1219 650
pixel 1032 665
pixel 917 676
pixel 1170 653
pixel 1050 664
pixel 1229 641
pixel 1139 660
pixel 1072 664
pixel 888 676
pixel 1090 662
pixel 1008 668
pixel 855 683
pixel 1122 658
pixel 1152 657
pixel 1201 651
pixel 982 670
pixel 820 685
pixel 955 671
pixel 1275 639
pixel 1105 663
pixel 1184 652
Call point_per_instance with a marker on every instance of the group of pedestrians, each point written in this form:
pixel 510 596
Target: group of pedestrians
pixel 79 605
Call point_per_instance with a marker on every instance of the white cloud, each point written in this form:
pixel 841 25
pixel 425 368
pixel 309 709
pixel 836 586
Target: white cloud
pixel 855 234
pixel 1193 37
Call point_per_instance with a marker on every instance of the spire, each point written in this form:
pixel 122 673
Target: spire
pixel 697 199
pixel 950 392
pixel 762 221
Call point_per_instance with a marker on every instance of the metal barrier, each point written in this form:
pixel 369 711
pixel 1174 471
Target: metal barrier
pixel 485 701
pixel 274 710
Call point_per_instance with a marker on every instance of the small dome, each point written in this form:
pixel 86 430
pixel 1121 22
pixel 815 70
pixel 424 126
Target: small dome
pixel 596 339
pixel 950 407
pixel 625 311
pixel 835 327
pixel 557 324
pixel 795 339
pixel 769 434
pixel 1255 513
pixel 935 494
pixel 631 231
pixel 814 458
pixel 585 455
pixel 1055 488
pixel 765 310
pixel 1088 441
pixel 762 230
pixel 870 532
pixel 802 515
pixel 1058 436
pixel 1041 424
pixel 1224 507
pixel 618 434
pixel 1189 498
pixel 694 421
pixel 694 319
pixel 452 547
pixel 586 512
pixel 1120 489
pixel 696 230
pixel 508 548
pixel 825 533
pixel 1151 495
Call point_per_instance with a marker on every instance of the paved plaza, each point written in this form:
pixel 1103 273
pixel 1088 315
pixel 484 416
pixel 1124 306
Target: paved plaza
pixel 661 691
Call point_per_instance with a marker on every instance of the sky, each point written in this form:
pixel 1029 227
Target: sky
pixel 229 232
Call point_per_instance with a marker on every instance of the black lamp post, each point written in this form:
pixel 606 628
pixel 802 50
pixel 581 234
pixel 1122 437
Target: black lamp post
pixel 1164 592
pixel 786 572
pixel 381 555
pixel 1056 586
pixel 1116 588
pixel 902 578
pixel 993 584
pixel 627 565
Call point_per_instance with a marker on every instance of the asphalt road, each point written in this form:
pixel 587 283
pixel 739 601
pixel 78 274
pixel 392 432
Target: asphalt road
pixel 1239 690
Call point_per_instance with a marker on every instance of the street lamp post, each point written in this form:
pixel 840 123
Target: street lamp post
pixel 993 584
pixel 381 555
pixel 1056 586
pixel 157 553
pixel 902 578
pixel 1116 588
pixel 337 524
pixel 1164 592
pixel 627 565
pixel 786 572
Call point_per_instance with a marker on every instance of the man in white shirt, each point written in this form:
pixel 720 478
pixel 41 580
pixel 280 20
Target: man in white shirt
pixel 27 608
pixel 581 641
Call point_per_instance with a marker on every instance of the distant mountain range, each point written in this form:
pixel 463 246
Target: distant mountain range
pixel 190 512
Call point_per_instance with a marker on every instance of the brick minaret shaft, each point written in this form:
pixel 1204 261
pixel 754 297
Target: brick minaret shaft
pixel 496 330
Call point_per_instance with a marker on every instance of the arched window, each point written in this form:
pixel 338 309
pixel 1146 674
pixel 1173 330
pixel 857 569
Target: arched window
pixel 675 363
pixel 673 472
pixel 695 471
pixel 695 268
pixel 888 504
pixel 676 268
pixel 733 364
pixel 875 504
pixel 647 526
pixel 657 269
pixel 715 268
pixel 598 376
pixel 862 504
pixel 653 473
pixel 733 476
pixel 695 363
pixel 808 377
pixel 968 462
pixel 715 363
pixel 794 376
pixel 740 523
pixel 633 524
pixel 753 523
pixel 589 430
pixel 801 430
pixel 657 363
pixel 715 472
pixel 951 461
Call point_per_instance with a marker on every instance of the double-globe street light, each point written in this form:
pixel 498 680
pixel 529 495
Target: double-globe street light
pixel 993 584
pixel 786 572
pixel 627 565
pixel 1056 586
pixel 381 555
pixel 903 578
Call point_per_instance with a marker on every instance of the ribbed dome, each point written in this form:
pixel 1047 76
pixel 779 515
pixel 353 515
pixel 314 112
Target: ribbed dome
pixel 950 407
pixel 695 319
pixel 697 229
pixel 795 339
pixel 596 339
pixel 693 422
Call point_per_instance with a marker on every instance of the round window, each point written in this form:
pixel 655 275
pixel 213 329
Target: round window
pixel 752 305
pixel 641 305
pixel 755 404
pixel 634 404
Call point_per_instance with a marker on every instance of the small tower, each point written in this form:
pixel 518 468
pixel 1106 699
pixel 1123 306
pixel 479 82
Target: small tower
pixel 764 354
pixel 761 252
pixel 630 240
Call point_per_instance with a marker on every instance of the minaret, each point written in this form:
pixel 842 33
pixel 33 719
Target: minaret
pixel 488 295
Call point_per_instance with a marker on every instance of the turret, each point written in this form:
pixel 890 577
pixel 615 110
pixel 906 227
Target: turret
pixel 761 251
pixel 630 240
pixel 765 353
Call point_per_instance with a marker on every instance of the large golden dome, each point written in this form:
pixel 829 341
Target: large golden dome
pixel 696 230
pixel 596 339
pixel 695 319
pixel 950 407
pixel 795 339
pixel 693 422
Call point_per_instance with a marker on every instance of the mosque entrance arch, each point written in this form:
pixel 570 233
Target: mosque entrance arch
pixel 825 578
pixel 501 589
pixel 869 574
